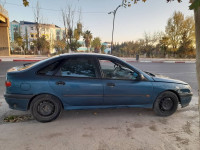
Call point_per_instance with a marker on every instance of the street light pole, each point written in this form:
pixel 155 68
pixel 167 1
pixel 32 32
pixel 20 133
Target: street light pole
pixel 114 13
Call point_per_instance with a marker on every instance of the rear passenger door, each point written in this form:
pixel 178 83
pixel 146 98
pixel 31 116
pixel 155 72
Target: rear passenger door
pixel 77 82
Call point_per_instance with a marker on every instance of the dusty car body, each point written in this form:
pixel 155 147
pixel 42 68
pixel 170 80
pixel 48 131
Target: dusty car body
pixel 88 81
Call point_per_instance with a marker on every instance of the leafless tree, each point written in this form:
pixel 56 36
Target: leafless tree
pixel 68 21
pixel 68 15
pixel 37 17
pixel 2 2
pixel 38 21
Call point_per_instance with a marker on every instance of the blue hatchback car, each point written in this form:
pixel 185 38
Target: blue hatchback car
pixel 87 81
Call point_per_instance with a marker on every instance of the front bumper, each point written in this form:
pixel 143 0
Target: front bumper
pixel 185 99
pixel 18 101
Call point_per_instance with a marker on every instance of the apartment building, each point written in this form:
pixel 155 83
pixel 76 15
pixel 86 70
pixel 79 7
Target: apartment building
pixel 28 31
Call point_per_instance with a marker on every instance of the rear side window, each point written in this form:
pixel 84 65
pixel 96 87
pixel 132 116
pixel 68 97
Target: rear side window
pixel 48 70
pixel 78 67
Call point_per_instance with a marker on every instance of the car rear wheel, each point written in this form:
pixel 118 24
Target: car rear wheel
pixel 45 108
pixel 166 104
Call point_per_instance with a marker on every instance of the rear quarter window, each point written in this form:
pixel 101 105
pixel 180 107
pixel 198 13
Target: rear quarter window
pixel 36 63
pixel 48 70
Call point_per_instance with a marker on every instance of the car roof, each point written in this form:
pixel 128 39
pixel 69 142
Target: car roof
pixel 88 54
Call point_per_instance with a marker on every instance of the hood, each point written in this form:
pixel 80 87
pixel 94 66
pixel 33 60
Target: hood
pixel 160 78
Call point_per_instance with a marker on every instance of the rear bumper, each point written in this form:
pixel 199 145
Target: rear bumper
pixel 18 101
pixel 185 99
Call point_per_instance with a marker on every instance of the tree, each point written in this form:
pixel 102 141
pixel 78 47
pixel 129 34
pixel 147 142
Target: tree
pixel 96 43
pixel 178 29
pixel 2 2
pixel 197 31
pixel 189 28
pixel 76 34
pixel 25 3
pixel 186 47
pixel 71 35
pixel 196 7
pixel 174 30
pixel 14 45
pixel 78 30
pixel 75 45
pixel 68 21
pixel 26 40
pixel 148 46
pixel 149 43
pixel 187 38
pixel 164 45
pixel 18 39
pixel 42 44
pixel 37 17
pixel 60 46
pixel 87 35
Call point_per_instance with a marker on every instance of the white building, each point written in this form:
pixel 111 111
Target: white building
pixel 28 31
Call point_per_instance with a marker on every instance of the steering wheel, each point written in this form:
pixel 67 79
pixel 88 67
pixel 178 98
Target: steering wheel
pixel 116 68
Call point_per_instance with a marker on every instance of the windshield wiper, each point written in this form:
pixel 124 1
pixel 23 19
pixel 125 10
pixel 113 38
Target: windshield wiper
pixel 149 73
pixel 26 64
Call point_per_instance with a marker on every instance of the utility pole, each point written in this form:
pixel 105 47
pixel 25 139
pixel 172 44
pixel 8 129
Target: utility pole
pixel 114 13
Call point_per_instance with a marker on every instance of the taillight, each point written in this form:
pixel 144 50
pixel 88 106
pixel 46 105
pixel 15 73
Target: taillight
pixel 7 83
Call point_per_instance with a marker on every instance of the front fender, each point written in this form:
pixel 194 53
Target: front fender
pixel 183 91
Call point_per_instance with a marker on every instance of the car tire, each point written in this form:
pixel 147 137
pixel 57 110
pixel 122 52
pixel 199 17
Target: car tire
pixel 166 104
pixel 45 108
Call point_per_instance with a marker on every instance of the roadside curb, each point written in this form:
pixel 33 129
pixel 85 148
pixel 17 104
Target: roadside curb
pixel 148 61
pixel 26 60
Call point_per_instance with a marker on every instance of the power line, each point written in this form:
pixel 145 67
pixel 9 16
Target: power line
pixel 47 9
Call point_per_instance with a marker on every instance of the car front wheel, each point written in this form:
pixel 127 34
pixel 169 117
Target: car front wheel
pixel 45 108
pixel 166 104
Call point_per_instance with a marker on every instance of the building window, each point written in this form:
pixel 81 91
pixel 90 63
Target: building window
pixel 31 28
pixel 15 29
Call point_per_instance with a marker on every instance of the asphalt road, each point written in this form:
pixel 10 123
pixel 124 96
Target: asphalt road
pixel 181 71
pixel 108 129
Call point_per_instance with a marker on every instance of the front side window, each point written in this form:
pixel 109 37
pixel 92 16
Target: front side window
pixel 78 67
pixel 115 70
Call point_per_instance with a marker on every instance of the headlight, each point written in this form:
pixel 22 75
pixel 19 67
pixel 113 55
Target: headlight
pixel 185 89
pixel 189 87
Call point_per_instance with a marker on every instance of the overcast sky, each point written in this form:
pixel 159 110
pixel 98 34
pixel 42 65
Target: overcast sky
pixel 130 23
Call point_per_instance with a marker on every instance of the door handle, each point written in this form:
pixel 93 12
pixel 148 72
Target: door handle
pixel 60 83
pixel 111 84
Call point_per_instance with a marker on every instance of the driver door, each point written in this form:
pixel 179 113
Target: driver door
pixel 121 84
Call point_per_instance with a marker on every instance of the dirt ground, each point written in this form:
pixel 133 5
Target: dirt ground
pixel 106 129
